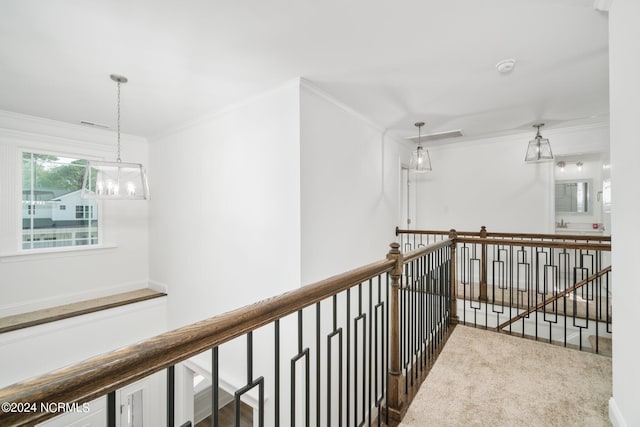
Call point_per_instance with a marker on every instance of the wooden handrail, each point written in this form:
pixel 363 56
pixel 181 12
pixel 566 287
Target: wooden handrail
pixel 509 235
pixel 537 243
pixel 417 253
pixel 555 297
pixel 103 374
pixel 436 232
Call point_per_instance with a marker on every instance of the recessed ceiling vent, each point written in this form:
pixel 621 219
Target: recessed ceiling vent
pixel 439 135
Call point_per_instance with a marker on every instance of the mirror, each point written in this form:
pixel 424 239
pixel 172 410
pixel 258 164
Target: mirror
pixel 572 197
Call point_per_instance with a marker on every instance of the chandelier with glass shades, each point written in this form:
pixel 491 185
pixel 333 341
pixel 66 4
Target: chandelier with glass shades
pixel 420 160
pixel 117 180
pixel 539 148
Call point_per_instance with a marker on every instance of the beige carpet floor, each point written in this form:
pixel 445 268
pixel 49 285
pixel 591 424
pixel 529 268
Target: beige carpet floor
pixel 484 378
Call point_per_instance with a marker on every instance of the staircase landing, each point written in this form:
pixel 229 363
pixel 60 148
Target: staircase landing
pixel 494 379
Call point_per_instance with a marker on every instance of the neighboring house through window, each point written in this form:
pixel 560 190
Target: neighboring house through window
pixel 50 183
pixel 83 211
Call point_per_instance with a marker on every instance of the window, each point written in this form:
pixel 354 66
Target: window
pixel 49 182
pixel 83 212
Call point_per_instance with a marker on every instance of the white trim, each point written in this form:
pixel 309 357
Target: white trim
pixel 315 90
pixel 70 323
pixel 54 253
pixel 158 286
pixel 508 136
pixel 311 88
pixel 20 151
pixel 42 303
pixel 615 416
pixel 37 128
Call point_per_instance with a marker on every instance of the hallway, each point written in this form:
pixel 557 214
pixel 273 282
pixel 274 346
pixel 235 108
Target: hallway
pixel 483 378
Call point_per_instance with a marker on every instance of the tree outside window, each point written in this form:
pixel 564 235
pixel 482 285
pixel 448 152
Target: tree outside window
pixel 49 184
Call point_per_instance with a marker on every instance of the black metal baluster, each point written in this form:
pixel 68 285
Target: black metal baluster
pixel 277 373
pixel 336 332
pixel 251 383
pixel 318 364
pixel 424 289
pixel 379 353
pixel 111 409
pixel 171 380
pixel 361 316
pixel 386 346
pixel 215 387
pixel 301 354
pixel 370 344
pixel 607 303
pixel 433 283
pixel 412 320
pixel 597 293
pixel 348 377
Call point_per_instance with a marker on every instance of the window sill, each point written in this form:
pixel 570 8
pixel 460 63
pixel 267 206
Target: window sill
pixel 51 253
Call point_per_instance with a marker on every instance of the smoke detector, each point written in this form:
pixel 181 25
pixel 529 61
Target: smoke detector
pixel 506 66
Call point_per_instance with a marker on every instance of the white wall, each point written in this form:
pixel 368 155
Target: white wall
pixel 34 351
pixel 624 73
pixel 486 182
pixel 224 212
pixel 31 281
pixel 350 187
pixel 34 281
pixel 350 206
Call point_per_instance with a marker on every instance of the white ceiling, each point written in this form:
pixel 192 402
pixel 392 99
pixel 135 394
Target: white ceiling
pixel 396 62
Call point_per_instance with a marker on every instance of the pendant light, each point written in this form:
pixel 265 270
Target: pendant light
pixel 539 148
pixel 117 180
pixel 420 160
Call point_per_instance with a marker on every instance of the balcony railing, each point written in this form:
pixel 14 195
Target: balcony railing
pixel 353 349
pixel 349 350
pixel 554 288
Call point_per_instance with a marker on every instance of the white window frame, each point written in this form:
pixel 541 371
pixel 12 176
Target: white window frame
pixel 21 150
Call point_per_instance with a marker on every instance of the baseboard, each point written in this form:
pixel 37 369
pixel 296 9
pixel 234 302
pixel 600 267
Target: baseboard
pixel 42 303
pixel 157 286
pixel 616 418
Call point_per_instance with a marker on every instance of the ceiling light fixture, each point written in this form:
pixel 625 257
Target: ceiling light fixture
pixel 115 180
pixel 420 160
pixel 579 164
pixel 561 165
pixel 539 148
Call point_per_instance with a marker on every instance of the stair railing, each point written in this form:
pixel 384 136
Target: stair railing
pixel 362 341
pixel 541 280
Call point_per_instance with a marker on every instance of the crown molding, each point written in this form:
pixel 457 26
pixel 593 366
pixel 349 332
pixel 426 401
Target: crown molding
pixel 31 127
pixel 313 89
pixel 506 136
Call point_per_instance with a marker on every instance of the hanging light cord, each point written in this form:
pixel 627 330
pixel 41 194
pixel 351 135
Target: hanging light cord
pixel 119 159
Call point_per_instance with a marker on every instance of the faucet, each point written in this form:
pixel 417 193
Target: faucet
pixel 562 224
